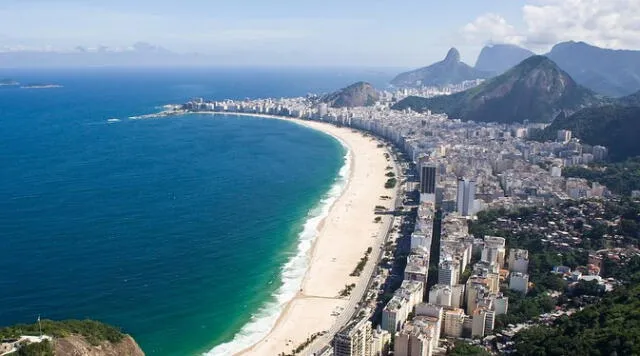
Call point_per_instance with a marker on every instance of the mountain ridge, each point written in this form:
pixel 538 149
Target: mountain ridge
pixel 612 126
pixel 451 70
pixel 611 72
pixel 536 90
pixel 499 58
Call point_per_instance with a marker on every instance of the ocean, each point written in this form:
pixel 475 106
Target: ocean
pixel 187 232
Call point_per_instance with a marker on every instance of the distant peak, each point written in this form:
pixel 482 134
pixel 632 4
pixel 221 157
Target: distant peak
pixel 452 56
pixel 538 60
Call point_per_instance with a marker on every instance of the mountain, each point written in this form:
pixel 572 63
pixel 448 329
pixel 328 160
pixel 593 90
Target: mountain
pixel 499 58
pixel 613 126
pixel 355 95
pixel 535 90
pixel 73 337
pixel 630 100
pixel 448 71
pixel 606 71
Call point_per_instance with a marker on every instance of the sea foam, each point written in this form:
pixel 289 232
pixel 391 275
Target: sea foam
pixel 293 272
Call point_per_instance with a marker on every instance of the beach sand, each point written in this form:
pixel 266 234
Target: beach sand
pixel 343 239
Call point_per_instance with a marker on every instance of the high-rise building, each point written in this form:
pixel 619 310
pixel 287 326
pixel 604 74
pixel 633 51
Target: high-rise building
pixel 494 250
pixel 448 272
pixel 380 342
pixel 354 339
pixel 518 260
pixel 599 153
pixel 466 197
pixel 519 282
pixel 564 135
pixel 453 322
pixel 323 110
pixel 417 338
pixel 441 294
pixel 483 321
pixel 428 178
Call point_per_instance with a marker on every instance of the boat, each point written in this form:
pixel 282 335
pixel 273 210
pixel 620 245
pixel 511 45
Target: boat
pixel 113 119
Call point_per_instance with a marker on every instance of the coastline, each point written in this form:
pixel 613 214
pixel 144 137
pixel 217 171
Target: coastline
pixel 342 238
pixel 339 242
pixel 347 232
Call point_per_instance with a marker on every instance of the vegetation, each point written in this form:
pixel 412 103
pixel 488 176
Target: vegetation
pixel 611 327
pixel 534 90
pixel 607 71
pixel 363 261
pixel 357 94
pixel 347 290
pixel 303 345
pixel 390 174
pixel 523 308
pixel 613 126
pixel 44 348
pixel 93 331
pixel 542 257
pixel 463 349
pixel 391 183
pixel 620 178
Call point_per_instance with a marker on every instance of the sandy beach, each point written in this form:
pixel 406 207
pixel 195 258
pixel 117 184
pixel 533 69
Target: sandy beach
pixel 343 239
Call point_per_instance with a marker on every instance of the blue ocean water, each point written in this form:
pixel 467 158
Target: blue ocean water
pixel 181 230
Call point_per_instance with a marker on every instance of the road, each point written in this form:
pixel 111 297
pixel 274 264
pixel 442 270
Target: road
pixel 358 293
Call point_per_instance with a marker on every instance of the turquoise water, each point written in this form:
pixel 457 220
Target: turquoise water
pixel 178 230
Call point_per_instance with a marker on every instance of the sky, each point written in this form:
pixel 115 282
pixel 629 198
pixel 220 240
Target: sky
pixel 330 32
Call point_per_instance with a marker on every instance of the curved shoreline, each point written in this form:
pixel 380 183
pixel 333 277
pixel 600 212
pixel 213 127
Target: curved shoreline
pixel 241 341
pixel 341 239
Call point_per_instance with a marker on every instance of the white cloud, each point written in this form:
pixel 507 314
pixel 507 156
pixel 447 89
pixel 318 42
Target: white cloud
pixel 605 23
pixel 490 28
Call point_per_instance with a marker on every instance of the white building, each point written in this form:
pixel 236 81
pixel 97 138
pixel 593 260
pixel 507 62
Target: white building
pixel 404 300
pixel 380 340
pixel 518 260
pixel 519 282
pixel 483 322
pixel 500 304
pixel 494 250
pixel 354 339
pixel 441 294
pixel 417 338
pixel 453 322
pixel 420 239
pixel 435 312
pixel 466 197
pixel 564 136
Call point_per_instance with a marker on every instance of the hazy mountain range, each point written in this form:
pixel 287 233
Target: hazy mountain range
pixel 609 72
pixel 451 70
pixel 536 90
pixel 139 54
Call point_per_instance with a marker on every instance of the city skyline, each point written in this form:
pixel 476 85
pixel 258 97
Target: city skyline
pixel 284 32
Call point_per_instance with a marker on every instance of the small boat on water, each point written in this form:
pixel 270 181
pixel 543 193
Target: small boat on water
pixel 113 119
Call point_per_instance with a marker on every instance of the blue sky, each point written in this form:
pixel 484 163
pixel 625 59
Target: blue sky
pixel 330 32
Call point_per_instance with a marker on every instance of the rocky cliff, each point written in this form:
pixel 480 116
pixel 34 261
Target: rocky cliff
pixel 77 345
